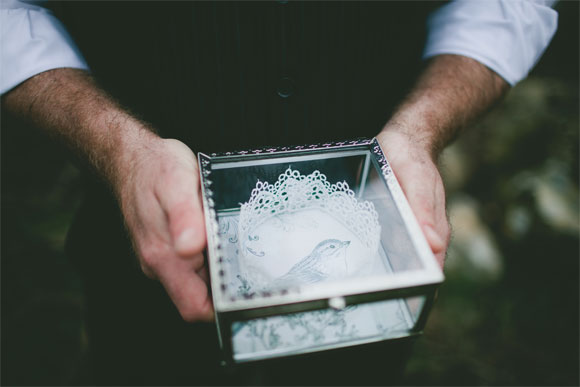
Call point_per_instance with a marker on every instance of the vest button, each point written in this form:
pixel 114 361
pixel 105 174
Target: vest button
pixel 285 87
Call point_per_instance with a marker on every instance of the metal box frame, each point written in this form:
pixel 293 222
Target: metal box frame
pixel 421 281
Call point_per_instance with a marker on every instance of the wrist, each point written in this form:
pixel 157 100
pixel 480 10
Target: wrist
pixel 409 137
pixel 449 94
pixel 132 144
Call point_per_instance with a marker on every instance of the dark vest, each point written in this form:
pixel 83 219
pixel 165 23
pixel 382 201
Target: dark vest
pixel 223 76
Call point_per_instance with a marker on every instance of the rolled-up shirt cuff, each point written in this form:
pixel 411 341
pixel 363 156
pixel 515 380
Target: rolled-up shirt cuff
pixel 508 36
pixel 33 40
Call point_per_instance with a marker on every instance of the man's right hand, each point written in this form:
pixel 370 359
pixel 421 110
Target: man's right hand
pixel 156 181
pixel 159 194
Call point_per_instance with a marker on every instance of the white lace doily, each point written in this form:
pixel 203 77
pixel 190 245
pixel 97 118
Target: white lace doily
pixel 302 229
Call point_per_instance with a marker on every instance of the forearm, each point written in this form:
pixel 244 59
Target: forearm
pixel 450 93
pixel 69 105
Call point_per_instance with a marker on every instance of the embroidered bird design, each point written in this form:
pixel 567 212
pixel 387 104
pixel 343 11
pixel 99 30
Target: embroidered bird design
pixel 326 261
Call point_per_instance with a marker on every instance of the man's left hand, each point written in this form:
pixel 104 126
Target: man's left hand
pixel 421 182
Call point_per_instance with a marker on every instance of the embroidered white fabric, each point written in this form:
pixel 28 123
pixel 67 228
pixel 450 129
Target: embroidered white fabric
pixel 303 229
pixel 279 335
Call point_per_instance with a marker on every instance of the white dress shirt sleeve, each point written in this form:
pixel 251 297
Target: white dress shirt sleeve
pixel 508 36
pixel 32 40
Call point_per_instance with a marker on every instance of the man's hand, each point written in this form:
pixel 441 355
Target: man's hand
pixel 155 180
pixel 159 194
pixel 450 93
pixel 421 182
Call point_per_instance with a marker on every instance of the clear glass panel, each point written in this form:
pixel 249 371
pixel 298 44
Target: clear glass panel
pixel 233 182
pixel 395 238
pixel 319 330
pixel 292 241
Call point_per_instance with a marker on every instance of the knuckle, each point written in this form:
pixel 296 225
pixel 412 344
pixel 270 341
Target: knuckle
pixel 151 256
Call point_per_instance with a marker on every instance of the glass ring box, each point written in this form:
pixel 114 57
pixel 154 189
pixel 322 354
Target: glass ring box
pixel 312 248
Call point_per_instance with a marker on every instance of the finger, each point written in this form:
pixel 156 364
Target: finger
pixel 182 205
pixel 436 242
pixel 188 292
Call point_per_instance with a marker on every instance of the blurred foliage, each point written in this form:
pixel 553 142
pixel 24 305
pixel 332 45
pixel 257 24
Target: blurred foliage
pixel 507 313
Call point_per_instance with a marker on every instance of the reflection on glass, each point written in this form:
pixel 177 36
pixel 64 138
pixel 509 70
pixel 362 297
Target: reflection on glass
pixel 297 332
